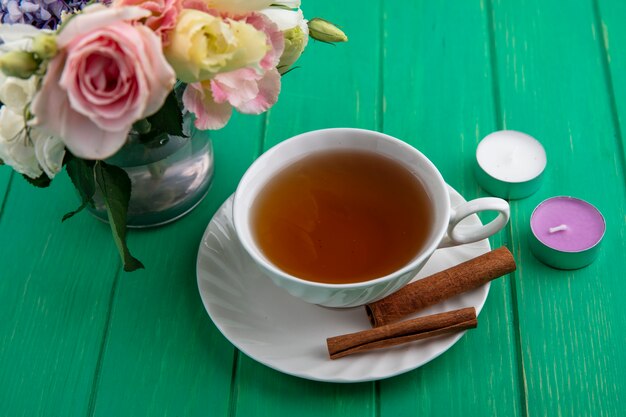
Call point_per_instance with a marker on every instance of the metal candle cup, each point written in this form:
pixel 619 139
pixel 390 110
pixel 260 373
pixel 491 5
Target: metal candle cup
pixel 566 232
pixel 509 164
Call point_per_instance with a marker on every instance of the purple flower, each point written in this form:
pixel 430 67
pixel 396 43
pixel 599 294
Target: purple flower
pixel 39 13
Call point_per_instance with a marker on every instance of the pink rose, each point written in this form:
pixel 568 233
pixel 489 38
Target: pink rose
pixel 163 14
pixel 109 74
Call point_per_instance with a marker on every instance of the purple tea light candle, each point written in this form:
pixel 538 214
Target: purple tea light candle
pixel 566 232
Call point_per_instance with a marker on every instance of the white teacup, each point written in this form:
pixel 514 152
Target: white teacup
pixel 444 232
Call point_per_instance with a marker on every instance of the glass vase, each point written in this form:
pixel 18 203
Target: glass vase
pixel 169 178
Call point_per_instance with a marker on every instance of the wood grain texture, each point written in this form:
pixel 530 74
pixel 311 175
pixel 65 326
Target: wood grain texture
pixel 609 17
pixel 263 392
pixel 438 96
pixel 162 354
pixel 6 175
pixel 334 85
pixel 81 338
pixel 55 290
pixel 571 323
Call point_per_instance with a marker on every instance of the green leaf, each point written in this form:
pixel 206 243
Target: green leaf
pixel 74 212
pixel 114 184
pixel 169 118
pixel 142 126
pixel 167 121
pixel 81 174
pixel 280 6
pixel 288 71
pixel 41 181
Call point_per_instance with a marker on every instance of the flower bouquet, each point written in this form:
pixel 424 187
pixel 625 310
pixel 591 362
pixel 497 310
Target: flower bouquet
pixel 77 80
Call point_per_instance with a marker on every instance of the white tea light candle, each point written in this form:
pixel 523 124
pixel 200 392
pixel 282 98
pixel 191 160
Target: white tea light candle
pixel 566 232
pixel 510 164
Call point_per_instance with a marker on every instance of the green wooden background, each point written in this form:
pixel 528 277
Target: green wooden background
pixel 79 337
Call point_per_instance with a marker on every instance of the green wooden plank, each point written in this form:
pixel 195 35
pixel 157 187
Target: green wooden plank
pixel 55 292
pixel 438 97
pixel 553 86
pixel 609 17
pixel 163 355
pixel 335 87
pixel 6 174
pixel 261 391
pixel 5 178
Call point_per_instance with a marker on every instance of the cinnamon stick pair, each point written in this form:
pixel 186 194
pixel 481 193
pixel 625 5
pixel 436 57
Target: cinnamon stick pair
pixel 419 295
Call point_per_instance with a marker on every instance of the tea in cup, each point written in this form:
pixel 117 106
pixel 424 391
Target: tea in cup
pixel 343 217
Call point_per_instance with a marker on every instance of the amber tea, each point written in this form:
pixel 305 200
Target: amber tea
pixel 342 216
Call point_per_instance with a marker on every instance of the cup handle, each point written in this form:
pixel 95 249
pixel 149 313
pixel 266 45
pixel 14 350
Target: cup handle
pixel 459 236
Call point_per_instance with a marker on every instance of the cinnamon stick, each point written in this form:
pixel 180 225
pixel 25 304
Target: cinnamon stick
pixel 403 332
pixel 440 286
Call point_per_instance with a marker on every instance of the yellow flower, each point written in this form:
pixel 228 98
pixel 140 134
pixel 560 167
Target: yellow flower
pixel 238 6
pixel 203 45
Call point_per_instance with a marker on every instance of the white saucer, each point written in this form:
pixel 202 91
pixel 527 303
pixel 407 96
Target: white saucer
pixel 289 335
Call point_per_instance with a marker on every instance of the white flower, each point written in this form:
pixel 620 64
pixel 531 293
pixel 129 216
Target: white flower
pixel 28 155
pixel 295 31
pixel 17 93
pixel 18 36
pixel 286 19
pixel 15 148
pixel 49 151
